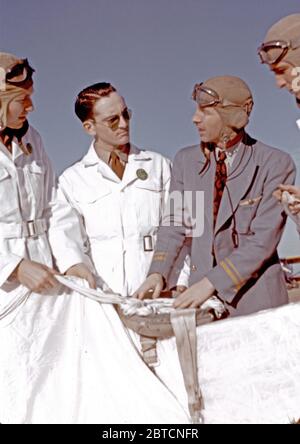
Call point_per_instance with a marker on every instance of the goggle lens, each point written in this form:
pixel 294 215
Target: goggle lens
pixel 19 74
pixel 205 96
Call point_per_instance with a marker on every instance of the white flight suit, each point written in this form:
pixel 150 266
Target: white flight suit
pixel 120 217
pixel 26 187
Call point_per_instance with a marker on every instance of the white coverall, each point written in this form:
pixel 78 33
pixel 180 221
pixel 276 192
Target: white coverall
pixel 120 218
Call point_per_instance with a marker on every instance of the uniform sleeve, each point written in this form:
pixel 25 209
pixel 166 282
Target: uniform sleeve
pixel 180 270
pixel 171 233
pixel 66 232
pixel 229 276
pixel 8 263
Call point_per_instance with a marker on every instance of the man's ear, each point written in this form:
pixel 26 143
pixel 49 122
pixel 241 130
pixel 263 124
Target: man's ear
pixel 89 127
pixel 248 106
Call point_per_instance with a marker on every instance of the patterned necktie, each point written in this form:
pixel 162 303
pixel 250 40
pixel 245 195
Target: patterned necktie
pixel 220 182
pixel 116 165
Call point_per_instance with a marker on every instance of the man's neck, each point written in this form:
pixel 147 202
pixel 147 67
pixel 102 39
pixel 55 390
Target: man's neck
pixel 7 135
pixel 101 148
pixel 104 151
pixel 232 142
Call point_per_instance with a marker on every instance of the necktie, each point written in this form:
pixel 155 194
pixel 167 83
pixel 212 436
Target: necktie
pixel 116 165
pixel 220 182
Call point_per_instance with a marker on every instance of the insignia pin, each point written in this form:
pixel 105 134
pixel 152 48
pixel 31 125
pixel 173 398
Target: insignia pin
pixel 142 174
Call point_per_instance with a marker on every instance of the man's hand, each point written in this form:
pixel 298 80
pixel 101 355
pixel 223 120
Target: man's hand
pixel 176 291
pixel 294 191
pixel 196 295
pixel 151 288
pixel 82 271
pixel 37 277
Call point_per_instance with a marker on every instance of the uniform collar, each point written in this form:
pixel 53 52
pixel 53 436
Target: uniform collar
pixel 92 158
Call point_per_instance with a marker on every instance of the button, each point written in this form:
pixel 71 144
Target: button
pixel 141 174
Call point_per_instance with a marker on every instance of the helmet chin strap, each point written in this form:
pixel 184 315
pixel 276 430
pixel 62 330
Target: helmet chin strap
pixel 227 142
pixel 7 134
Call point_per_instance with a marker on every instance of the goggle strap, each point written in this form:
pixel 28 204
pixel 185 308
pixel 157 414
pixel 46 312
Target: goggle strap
pixel 295 43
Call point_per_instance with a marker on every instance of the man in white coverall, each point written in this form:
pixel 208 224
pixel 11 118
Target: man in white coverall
pixel 27 182
pixel 52 341
pixel 119 193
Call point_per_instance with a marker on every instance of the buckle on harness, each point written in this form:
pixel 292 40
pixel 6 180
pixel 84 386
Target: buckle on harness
pixel 31 228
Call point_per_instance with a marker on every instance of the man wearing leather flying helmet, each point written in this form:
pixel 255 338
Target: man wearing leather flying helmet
pixel 280 50
pixel 27 187
pixel 236 256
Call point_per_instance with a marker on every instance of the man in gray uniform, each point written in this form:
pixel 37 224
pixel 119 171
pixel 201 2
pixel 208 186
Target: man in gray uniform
pixel 236 256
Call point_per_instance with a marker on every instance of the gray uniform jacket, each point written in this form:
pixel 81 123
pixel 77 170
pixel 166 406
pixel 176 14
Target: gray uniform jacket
pixel 247 275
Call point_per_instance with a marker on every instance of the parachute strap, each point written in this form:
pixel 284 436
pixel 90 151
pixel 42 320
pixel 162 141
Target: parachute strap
pixel 149 351
pixel 184 326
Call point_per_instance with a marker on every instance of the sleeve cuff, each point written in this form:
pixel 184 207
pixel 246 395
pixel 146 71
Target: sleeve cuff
pixel 226 279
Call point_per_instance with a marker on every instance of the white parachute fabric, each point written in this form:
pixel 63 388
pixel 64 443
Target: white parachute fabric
pixel 68 359
pixel 248 368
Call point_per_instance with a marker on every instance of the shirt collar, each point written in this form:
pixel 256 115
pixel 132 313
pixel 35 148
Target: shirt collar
pixel 92 158
pixel 229 151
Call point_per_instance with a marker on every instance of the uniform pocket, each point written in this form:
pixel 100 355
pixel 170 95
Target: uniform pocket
pixel 243 219
pixel 148 204
pixel 8 193
pixel 34 175
pixel 99 209
pixel 245 214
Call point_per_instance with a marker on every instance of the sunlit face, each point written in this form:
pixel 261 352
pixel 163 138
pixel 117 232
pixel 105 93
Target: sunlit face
pixel 18 109
pixel 285 78
pixel 110 123
pixel 209 124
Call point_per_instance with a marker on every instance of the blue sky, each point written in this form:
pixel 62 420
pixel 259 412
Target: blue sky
pixel 153 52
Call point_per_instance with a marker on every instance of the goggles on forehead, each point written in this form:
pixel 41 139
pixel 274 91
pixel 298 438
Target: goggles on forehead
pixel 20 74
pixel 273 51
pixel 208 97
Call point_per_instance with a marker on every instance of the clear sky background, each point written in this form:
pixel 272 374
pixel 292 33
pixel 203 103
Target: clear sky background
pixel 153 51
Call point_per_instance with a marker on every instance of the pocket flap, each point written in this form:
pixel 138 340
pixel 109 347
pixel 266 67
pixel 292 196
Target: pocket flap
pixel 149 184
pixel 250 202
pixel 91 196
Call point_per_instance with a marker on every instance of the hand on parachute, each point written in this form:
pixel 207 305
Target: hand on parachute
pixel 37 277
pixel 82 271
pixel 196 295
pixel 151 288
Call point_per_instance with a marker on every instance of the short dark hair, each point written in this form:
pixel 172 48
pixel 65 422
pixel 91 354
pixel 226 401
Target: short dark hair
pixel 87 98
